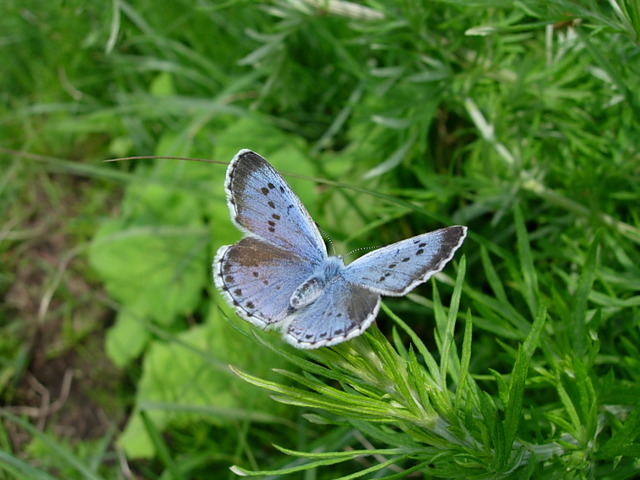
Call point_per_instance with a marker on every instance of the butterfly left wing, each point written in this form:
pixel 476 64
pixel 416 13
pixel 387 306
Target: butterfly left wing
pixel 398 268
pixel 258 279
pixel 263 205
pixel 343 311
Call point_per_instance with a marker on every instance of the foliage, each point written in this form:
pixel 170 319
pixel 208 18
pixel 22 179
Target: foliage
pixel 515 119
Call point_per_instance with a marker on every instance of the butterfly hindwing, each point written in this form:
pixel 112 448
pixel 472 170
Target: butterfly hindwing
pixel 343 311
pixel 263 205
pixel 258 278
pixel 397 268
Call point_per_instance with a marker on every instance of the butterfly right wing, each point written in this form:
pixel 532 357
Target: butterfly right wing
pixel 398 268
pixel 258 279
pixel 264 206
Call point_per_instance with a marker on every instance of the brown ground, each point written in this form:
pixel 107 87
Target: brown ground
pixel 65 384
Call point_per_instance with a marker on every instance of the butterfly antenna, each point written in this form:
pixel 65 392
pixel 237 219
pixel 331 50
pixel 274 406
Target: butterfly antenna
pixel 362 248
pixel 327 238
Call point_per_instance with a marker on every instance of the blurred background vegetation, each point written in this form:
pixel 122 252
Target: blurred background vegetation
pixel 519 120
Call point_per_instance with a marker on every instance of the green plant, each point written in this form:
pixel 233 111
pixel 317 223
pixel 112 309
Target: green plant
pixel 433 416
pixel 515 119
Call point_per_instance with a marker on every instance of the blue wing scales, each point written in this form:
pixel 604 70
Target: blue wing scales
pixel 263 205
pixel 258 278
pixel 343 311
pixel 398 268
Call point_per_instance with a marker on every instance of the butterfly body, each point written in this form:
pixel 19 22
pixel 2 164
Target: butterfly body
pixel 313 287
pixel 280 274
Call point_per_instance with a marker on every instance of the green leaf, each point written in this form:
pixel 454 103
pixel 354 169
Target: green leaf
pixel 465 360
pixel 449 362
pixel 513 411
pixel 585 287
pixel 162 85
pixel 157 271
pixel 330 458
pixel 527 267
pixel 153 260
pixel 127 338
pixel 185 376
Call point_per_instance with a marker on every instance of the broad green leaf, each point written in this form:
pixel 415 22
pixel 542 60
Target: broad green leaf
pixel 186 379
pixel 127 338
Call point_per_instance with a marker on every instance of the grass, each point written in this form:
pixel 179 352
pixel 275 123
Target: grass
pixel 517 120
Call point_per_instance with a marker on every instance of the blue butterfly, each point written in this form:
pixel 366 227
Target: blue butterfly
pixel 279 274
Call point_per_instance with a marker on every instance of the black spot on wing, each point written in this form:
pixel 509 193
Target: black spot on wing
pixel 384 277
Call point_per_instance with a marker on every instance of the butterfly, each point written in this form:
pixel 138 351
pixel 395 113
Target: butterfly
pixel 280 275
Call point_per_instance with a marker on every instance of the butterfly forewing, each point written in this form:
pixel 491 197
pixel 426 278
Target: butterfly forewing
pixel 263 205
pixel 397 268
pixel 258 278
pixel 343 311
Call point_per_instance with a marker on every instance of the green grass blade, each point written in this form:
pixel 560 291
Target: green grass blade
pixel 527 267
pixel 585 286
pixel 56 447
pixel 161 447
pixel 513 411
pixel 20 468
